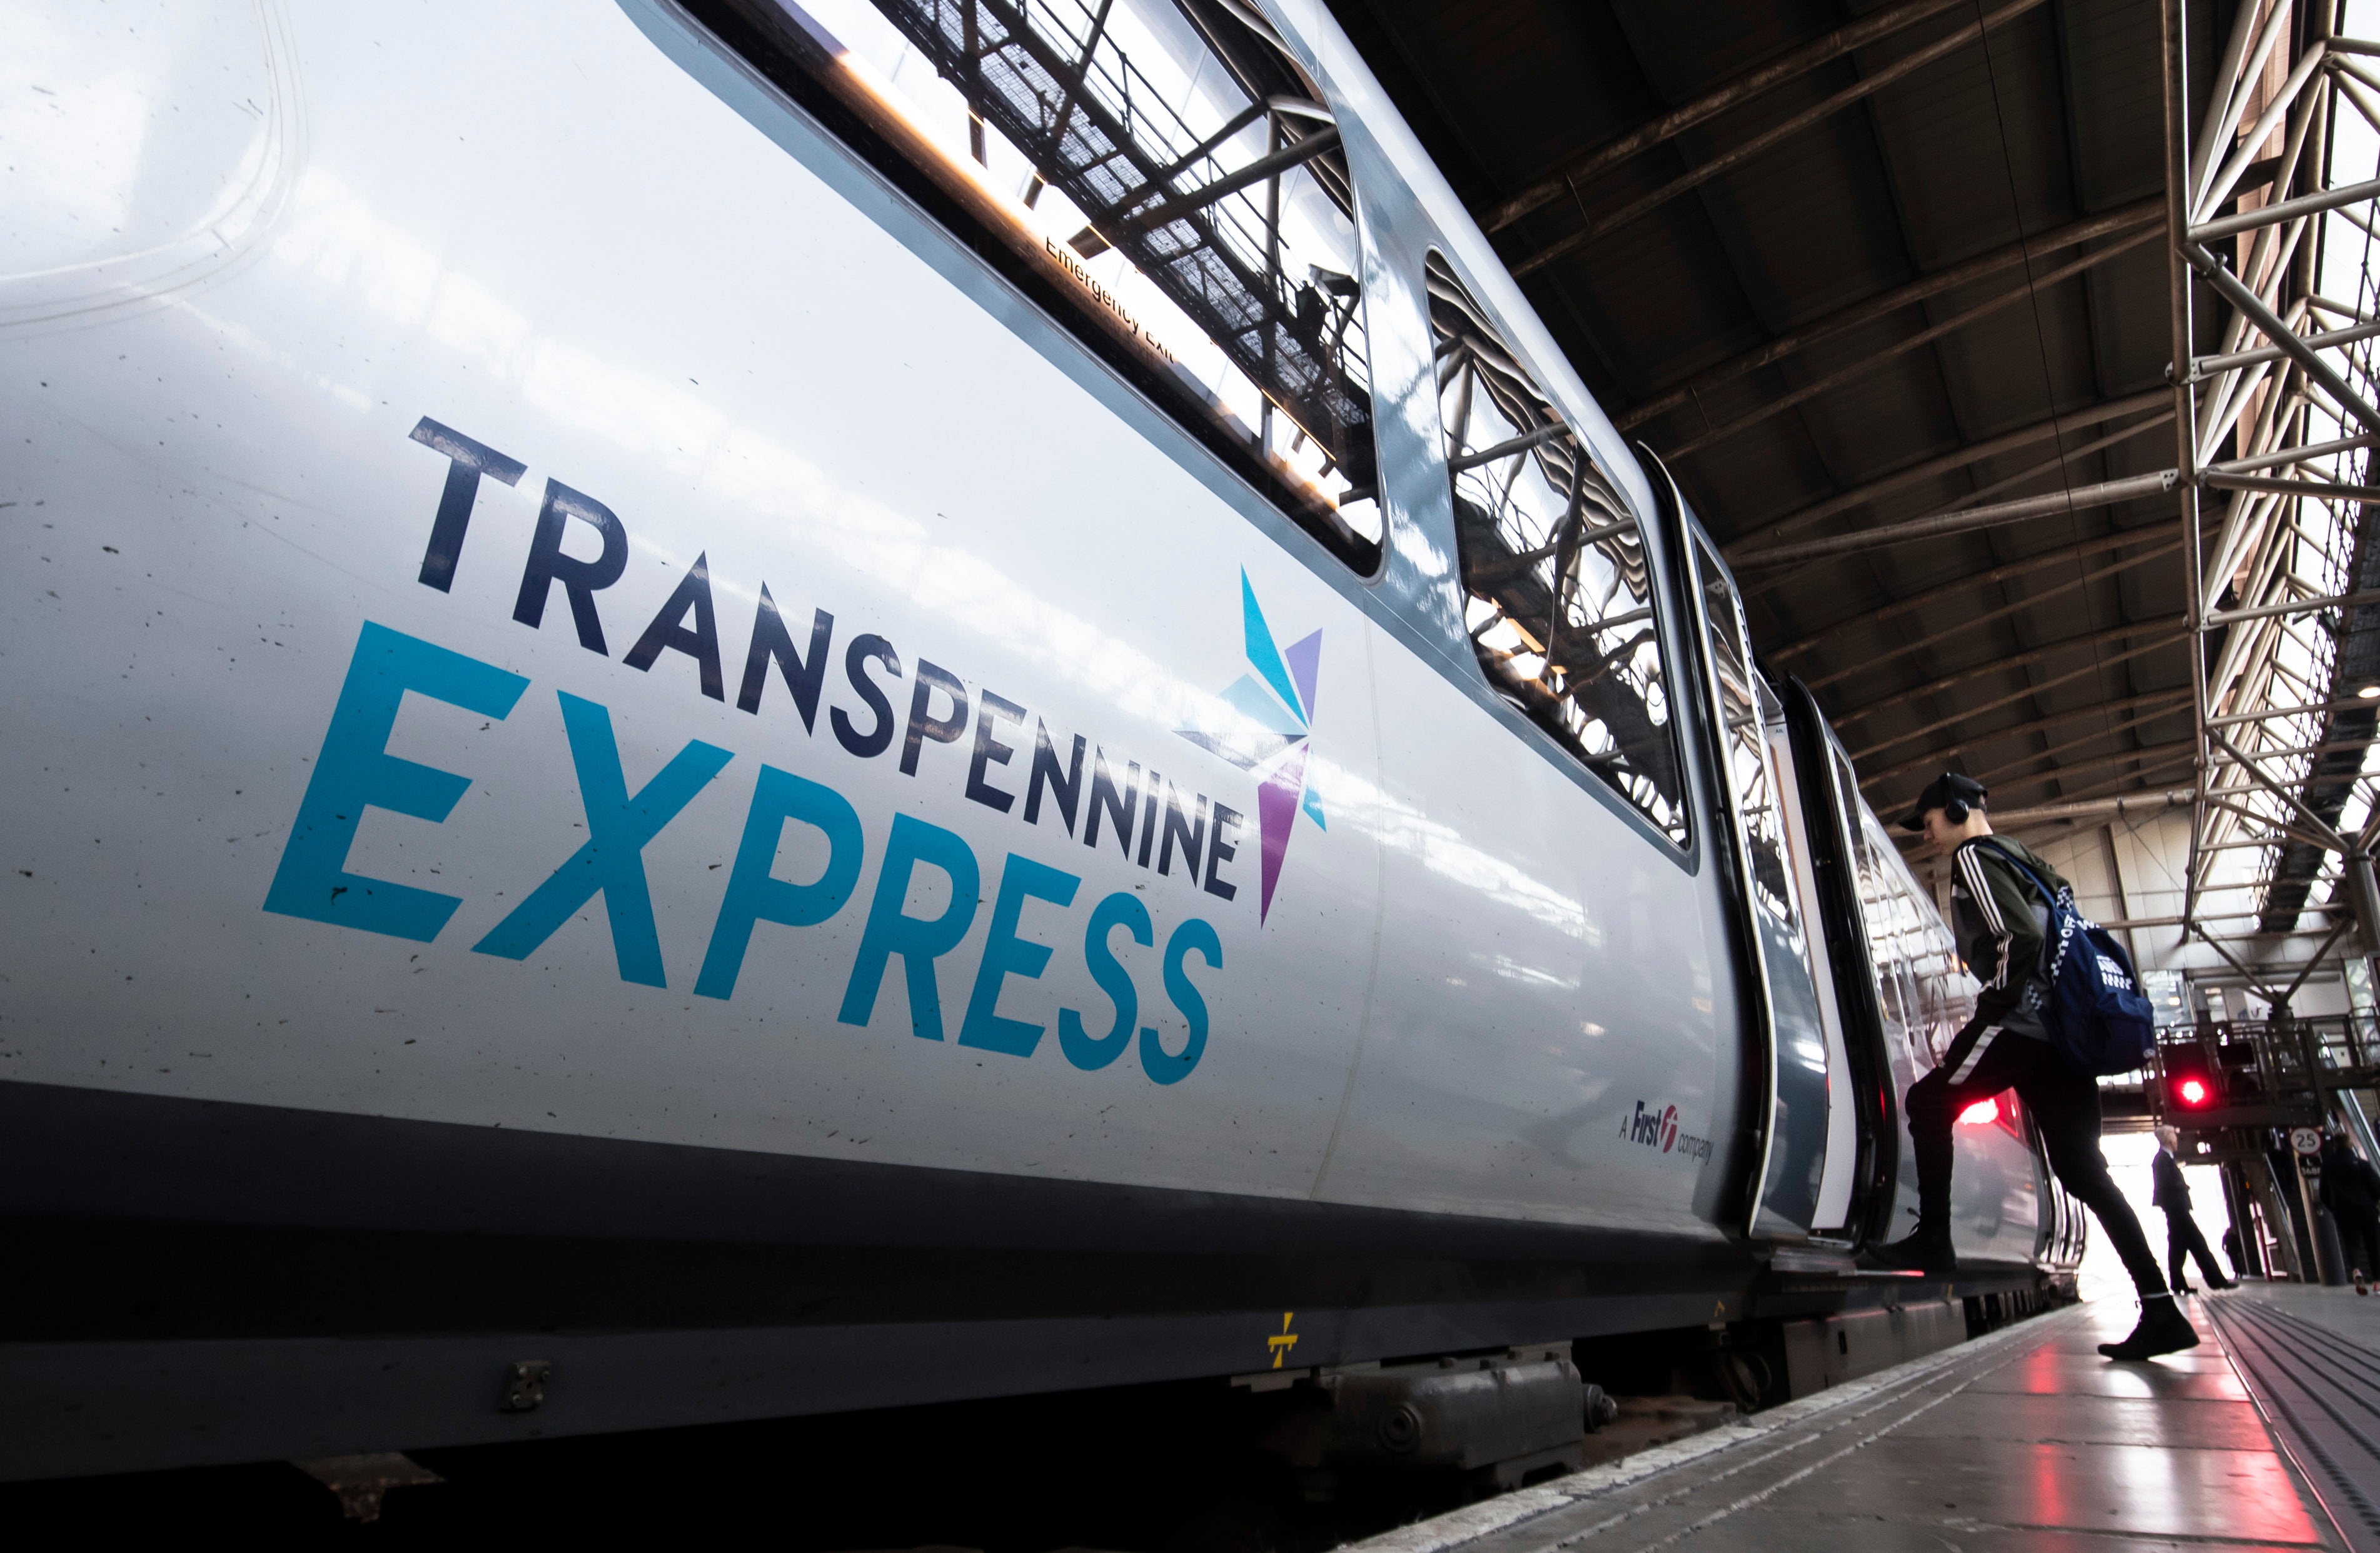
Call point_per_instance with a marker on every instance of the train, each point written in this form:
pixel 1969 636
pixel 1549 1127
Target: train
pixel 724 708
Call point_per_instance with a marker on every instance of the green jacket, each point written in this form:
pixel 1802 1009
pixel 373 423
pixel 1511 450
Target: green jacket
pixel 1999 919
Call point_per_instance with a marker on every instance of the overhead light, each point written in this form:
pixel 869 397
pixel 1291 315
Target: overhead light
pixel 2369 693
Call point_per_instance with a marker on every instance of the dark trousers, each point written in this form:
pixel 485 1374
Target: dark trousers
pixel 2358 1238
pixel 2183 1241
pixel 1983 1062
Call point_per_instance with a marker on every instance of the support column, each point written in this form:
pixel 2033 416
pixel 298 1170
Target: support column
pixel 2249 1262
pixel 2174 36
pixel 2283 1218
pixel 2364 890
pixel 2330 1257
pixel 2319 1259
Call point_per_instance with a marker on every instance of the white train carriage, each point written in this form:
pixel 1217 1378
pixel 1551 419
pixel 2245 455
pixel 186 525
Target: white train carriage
pixel 759 712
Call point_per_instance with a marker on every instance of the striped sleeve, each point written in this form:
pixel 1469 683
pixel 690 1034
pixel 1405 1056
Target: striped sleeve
pixel 1970 864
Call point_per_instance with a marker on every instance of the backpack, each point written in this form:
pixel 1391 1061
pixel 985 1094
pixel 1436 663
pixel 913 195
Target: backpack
pixel 2086 992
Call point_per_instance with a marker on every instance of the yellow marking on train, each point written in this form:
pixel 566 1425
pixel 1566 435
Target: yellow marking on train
pixel 1281 1344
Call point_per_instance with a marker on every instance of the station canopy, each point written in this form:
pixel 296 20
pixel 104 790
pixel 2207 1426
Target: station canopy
pixel 1894 290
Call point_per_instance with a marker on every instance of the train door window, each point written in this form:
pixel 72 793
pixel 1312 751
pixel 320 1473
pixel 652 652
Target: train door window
pixel 1941 975
pixel 1162 176
pixel 1746 709
pixel 1914 967
pixel 1881 914
pixel 1558 590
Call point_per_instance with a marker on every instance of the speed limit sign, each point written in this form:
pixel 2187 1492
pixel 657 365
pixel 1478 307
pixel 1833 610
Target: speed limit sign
pixel 2306 1140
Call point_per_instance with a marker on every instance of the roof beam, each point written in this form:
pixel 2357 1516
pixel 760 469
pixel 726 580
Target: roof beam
pixel 2096 665
pixel 1961 520
pixel 1736 155
pixel 1885 655
pixel 2143 212
pixel 2327 747
pixel 2180 761
pixel 2248 303
pixel 1869 361
pixel 1914 850
pixel 2010 769
pixel 2315 824
pixel 2283 486
pixel 2093 808
pixel 2163 764
pixel 2286 712
pixel 2101 762
pixel 2091 793
pixel 1942 756
pixel 2002 663
pixel 2055 465
pixel 2235 719
pixel 1789 66
pixel 2204 367
pixel 2300 606
pixel 2276 832
pixel 1965 586
pixel 1957 458
pixel 2254 981
pixel 2344 923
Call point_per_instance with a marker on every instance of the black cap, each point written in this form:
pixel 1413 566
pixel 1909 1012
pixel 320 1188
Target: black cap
pixel 1938 793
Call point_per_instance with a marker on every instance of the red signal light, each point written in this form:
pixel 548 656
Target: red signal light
pixel 2191 1081
pixel 1980 1114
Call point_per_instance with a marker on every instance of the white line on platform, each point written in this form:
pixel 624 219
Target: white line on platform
pixel 1473 1521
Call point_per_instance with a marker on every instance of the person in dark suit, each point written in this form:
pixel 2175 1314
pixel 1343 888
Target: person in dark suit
pixel 2182 1237
pixel 2351 1189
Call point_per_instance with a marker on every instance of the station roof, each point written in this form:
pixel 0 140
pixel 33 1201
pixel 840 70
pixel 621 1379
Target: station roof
pixel 1845 267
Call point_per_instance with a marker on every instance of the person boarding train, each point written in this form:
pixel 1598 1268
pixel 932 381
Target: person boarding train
pixel 1999 925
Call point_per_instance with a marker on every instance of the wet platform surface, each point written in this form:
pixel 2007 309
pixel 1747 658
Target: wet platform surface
pixel 2025 1438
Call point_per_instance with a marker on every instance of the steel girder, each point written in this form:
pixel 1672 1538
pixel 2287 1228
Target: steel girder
pixel 2273 465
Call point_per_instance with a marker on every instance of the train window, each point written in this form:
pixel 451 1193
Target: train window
pixel 1558 590
pixel 1161 175
pixel 1746 710
pixel 1919 981
pixel 1886 913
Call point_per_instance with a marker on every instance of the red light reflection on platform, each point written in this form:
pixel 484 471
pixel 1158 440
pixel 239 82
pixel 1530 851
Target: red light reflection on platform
pixel 2165 1491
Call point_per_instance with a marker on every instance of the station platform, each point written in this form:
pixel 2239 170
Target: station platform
pixel 2262 1437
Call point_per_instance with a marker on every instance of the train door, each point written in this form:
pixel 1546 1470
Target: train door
pixel 1806 822
pixel 1862 973
pixel 1789 1187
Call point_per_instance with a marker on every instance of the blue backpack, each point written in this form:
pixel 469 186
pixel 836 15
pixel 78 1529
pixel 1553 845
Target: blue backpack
pixel 2086 992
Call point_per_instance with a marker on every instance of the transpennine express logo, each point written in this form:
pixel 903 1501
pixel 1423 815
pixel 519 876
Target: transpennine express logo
pixel 1276 704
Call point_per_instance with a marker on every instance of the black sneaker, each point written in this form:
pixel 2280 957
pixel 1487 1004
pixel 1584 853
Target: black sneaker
pixel 2162 1329
pixel 1921 1252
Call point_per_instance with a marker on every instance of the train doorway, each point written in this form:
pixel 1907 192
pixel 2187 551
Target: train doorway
pixel 1803 1183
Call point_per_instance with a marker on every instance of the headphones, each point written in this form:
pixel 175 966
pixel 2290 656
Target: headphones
pixel 1958 799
